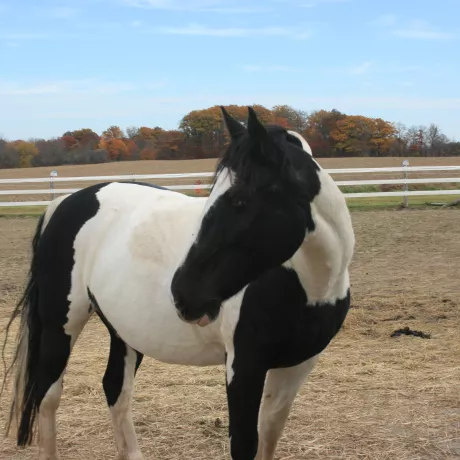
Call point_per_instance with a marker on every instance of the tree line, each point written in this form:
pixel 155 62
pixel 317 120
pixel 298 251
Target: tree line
pixel 202 134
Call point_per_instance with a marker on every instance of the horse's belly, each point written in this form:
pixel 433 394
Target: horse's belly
pixel 156 331
pixel 140 309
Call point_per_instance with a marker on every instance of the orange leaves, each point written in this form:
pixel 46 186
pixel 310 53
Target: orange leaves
pixel 113 132
pixel 116 148
pixel 362 136
pixel 80 138
pixel 69 141
pixel 149 133
pixel 148 153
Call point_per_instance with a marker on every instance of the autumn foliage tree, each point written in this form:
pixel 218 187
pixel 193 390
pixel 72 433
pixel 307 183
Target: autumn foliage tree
pixel 320 125
pixel 116 148
pixel 361 136
pixel 26 151
pixel 113 132
pixel 202 134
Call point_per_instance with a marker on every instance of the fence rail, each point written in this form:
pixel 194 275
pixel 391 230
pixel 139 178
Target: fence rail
pixel 404 181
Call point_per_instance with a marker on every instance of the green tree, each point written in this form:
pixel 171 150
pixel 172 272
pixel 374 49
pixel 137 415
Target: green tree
pixel 296 119
pixel 27 151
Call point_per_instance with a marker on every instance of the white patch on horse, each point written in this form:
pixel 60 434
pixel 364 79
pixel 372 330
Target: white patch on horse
pixel 223 182
pixel 47 422
pixel 323 259
pixel 280 390
pixel 305 144
pixel 230 317
pixel 121 412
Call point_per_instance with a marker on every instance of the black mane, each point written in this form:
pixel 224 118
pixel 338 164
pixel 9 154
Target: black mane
pixel 294 169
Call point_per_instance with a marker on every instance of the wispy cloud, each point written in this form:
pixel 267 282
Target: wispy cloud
pixel 315 3
pixel 212 6
pixel 268 69
pixel 236 32
pixel 82 86
pixel 422 30
pixel 416 29
pixel 63 12
pixel 392 103
pixel 371 67
pixel 24 36
pixel 406 84
pixel 386 20
pixel 360 69
pixel 401 69
pixel 309 3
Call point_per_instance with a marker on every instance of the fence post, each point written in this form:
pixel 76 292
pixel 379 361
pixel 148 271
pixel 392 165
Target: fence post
pixel 406 185
pixel 198 187
pixel 53 174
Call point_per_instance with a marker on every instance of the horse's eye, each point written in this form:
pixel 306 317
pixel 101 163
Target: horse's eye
pixel 237 200
pixel 238 203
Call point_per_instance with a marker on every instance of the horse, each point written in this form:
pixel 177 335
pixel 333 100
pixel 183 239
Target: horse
pixel 254 277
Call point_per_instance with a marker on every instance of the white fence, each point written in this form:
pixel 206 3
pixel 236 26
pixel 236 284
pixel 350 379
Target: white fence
pixel 405 181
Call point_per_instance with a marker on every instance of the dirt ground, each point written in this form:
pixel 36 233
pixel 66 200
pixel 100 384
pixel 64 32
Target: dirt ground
pixel 370 397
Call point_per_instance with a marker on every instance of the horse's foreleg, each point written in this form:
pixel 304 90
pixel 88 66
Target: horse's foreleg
pixel 245 383
pixel 281 388
pixel 118 385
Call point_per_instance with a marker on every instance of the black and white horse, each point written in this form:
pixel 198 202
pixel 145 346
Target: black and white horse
pixel 261 265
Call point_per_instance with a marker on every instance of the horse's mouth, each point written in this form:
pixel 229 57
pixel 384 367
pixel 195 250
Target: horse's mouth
pixel 202 322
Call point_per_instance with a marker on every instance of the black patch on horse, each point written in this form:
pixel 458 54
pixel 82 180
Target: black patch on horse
pixel 254 226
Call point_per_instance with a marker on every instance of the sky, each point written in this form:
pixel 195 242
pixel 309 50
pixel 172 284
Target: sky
pixel 67 65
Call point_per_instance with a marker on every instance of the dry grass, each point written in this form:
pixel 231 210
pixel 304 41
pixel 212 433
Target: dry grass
pixel 370 397
pixel 162 166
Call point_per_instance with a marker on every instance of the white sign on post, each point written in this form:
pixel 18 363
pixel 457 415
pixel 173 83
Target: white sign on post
pixel 53 174
pixel 405 163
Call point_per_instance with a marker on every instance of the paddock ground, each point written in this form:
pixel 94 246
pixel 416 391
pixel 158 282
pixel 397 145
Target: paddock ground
pixel 370 397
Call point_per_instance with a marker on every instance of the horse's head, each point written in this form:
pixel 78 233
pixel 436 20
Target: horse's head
pixel 255 218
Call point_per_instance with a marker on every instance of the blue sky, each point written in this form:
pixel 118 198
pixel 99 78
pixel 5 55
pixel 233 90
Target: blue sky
pixel 67 64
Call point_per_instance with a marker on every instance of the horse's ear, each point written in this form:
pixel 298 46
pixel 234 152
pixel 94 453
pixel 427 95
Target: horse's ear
pixel 271 152
pixel 255 128
pixel 235 128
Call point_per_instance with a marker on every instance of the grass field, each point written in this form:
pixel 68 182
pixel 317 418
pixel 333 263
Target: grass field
pixel 191 166
pixel 371 397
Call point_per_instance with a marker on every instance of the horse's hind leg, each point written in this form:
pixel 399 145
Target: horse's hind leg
pixel 56 343
pixel 118 383
pixel 281 388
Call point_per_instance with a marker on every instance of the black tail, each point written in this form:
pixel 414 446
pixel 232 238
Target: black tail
pixel 25 359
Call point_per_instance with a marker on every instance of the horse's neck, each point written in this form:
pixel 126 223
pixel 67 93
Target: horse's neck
pixel 322 260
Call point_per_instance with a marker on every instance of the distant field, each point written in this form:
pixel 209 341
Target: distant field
pixel 194 166
pixel 159 166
